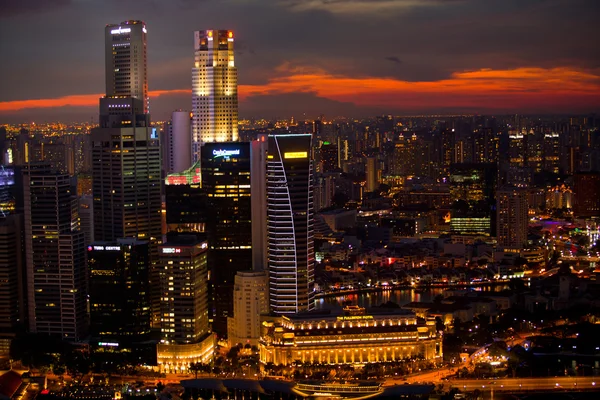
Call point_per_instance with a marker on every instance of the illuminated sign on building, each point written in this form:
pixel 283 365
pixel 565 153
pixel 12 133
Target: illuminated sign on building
pixel 295 154
pixel 108 344
pixel 225 153
pixel 103 248
pixel 120 31
pixel 171 250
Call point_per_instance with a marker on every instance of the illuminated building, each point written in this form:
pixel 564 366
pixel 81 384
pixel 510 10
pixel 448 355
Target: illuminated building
pixel 329 157
pixel 552 152
pixel 126 167
pixel 119 290
pixel 176 142
pixel 226 181
pixel 214 89
pixel 372 171
pixel 472 191
pixel 250 300
pixel 517 150
pixel 587 194
pixel 185 332
pixel 485 146
pixel 512 217
pixel 290 219
pixel 355 337
pixel 258 191
pixel 55 255
pixel 324 190
pixel 125 58
pixel 186 201
pixel 184 290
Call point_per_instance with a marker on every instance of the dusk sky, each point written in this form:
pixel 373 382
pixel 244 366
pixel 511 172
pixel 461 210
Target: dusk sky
pixel 311 57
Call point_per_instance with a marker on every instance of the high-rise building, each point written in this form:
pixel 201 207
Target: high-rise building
pixel 55 255
pixel 86 217
pixel 226 181
pixel 587 194
pixel 290 221
pixel 125 58
pixel 214 89
pixel 184 290
pixel 126 168
pixel 176 142
pixel 12 304
pixel 119 290
pixel 250 300
pixel 512 219
pixel 372 172
pixel 258 191
pixel 185 330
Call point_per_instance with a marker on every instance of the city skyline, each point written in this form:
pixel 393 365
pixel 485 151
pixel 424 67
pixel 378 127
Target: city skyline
pixel 431 56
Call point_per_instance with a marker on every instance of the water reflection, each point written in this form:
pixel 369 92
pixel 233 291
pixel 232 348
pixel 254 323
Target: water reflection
pixel 398 296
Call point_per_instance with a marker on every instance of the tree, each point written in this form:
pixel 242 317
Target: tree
pixel 439 324
pixel 195 368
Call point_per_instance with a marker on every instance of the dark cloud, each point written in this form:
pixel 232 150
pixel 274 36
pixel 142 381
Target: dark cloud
pixel 394 59
pixel 11 8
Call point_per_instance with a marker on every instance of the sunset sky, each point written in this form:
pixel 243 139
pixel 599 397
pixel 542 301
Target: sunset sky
pixel 311 57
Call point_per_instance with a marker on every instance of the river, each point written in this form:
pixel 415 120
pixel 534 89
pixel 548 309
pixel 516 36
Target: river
pixel 398 296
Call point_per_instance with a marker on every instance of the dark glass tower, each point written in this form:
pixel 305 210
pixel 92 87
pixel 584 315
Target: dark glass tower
pixel 290 224
pixel 119 290
pixel 226 183
pixel 55 255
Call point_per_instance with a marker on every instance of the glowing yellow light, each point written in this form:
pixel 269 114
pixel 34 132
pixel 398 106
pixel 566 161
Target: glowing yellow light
pixel 230 34
pixel 296 154
pixel 209 33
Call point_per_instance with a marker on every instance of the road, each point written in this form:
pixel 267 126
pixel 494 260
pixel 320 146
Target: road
pixel 526 384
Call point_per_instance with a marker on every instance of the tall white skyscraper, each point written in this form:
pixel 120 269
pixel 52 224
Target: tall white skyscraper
pixel 214 89
pixel 125 58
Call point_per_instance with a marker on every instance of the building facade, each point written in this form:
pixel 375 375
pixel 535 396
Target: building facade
pixel 214 89
pixel 226 181
pixel 119 290
pixel 55 255
pixel 512 219
pixel 183 290
pixel 290 221
pixel 176 142
pixel 125 58
pixel 355 337
pixel 250 301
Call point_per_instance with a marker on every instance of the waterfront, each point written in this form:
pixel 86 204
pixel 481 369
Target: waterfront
pixel 398 296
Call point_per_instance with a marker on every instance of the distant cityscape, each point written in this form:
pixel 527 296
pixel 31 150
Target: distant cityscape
pixel 426 256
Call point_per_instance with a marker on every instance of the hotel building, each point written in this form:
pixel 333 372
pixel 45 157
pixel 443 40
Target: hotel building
pixel 214 89
pixel 250 301
pixel 290 220
pixel 354 337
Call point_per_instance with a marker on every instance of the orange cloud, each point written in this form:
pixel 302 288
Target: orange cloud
pixel 486 87
pixel 77 100
pixel 482 89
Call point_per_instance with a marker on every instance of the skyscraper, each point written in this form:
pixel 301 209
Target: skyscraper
pixel 126 152
pixel 290 224
pixel 176 142
pixel 125 58
pixel 214 89
pixel 184 290
pixel 226 181
pixel 512 220
pixel 250 300
pixel 55 255
pixel 119 290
